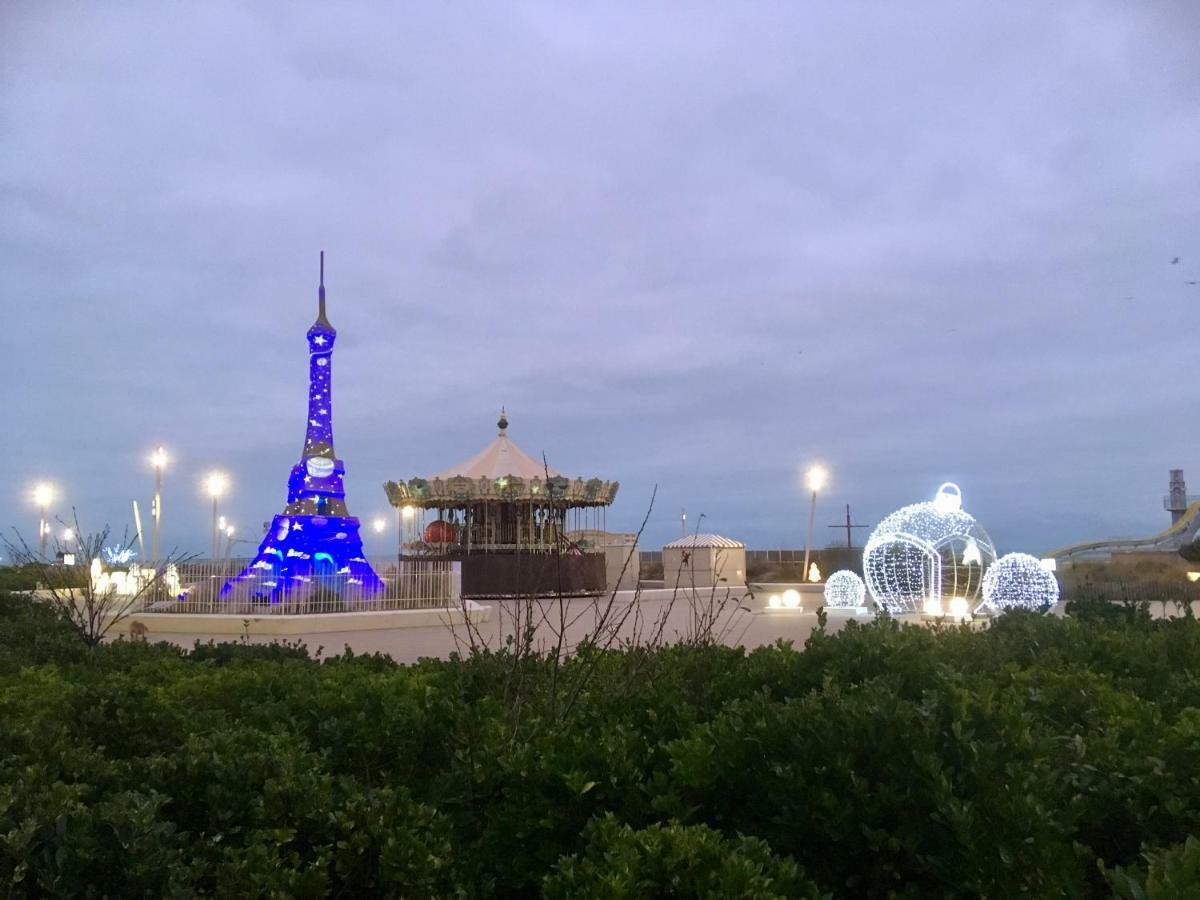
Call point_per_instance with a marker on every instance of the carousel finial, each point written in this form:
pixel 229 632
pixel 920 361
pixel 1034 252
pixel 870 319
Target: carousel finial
pixel 503 423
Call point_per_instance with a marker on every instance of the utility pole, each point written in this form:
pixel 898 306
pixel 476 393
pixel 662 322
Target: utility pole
pixel 849 528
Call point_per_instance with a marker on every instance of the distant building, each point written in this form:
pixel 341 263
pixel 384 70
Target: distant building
pixel 704 560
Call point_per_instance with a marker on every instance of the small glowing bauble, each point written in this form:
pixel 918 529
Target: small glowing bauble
pixel 319 466
pixel 844 589
pixel 814 574
pixel 775 602
pixel 791 598
pixel 926 551
pixel 1018 581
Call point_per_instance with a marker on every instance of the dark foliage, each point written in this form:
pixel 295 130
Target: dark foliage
pixel 1041 757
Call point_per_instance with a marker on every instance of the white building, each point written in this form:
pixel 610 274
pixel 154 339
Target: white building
pixel 704 560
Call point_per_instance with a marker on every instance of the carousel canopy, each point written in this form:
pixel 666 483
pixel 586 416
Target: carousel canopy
pixel 499 458
pixel 501 472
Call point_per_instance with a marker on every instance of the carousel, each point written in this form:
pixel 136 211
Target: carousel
pixel 506 517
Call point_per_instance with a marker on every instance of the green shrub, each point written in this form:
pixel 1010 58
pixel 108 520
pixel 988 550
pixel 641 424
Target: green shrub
pixel 672 860
pixel 1173 874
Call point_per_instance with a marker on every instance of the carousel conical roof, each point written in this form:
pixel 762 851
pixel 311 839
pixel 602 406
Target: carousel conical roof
pixel 498 459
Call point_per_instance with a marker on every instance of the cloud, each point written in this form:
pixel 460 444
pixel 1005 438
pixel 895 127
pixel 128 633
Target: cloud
pixel 693 249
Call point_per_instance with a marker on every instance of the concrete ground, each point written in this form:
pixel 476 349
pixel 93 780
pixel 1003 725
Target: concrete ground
pixel 734 618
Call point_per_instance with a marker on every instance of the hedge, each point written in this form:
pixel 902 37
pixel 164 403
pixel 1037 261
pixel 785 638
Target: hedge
pixel 1039 757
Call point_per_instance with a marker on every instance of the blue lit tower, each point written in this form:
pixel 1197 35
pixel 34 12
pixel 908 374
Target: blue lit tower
pixel 315 542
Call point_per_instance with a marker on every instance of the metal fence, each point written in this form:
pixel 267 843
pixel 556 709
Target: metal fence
pixel 195 587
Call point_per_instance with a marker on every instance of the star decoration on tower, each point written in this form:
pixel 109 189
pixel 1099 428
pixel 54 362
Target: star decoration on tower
pixel 319 340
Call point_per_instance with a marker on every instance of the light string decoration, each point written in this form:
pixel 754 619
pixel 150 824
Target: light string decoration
pixel 845 590
pixel 1018 581
pixel 314 547
pixel 924 552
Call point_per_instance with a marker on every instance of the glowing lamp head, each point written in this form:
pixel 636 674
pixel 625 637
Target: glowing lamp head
pixel 43 494
pixel 379 524
pixel 216 484
pixel 158 458
pixel 228 531
pixel 958 607
pixel 815 478
pixel 408 511
pixel 68 534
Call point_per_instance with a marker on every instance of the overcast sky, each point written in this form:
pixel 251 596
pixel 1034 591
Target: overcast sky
pixel 695 246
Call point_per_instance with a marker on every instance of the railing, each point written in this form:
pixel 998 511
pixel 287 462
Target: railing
pixel 195 587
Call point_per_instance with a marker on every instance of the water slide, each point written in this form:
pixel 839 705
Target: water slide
pixel 1182 532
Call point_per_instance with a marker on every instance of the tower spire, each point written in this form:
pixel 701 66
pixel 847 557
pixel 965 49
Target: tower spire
pixel 322 325
pixel 321 290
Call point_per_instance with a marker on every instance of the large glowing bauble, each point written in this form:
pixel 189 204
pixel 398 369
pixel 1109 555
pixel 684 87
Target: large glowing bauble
pixel 844 590
pixel 319 466
pixel 923 552
pixel 1018 581
pixel 439 532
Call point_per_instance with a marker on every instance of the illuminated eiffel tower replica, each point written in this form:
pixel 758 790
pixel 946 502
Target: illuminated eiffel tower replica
pixel 313 549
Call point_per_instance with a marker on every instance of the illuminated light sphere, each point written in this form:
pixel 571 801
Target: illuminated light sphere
pixel 774 601
pixel 844 590
pixel 927 551
pixel 1018 581
pixel 791 598
pixel 158 459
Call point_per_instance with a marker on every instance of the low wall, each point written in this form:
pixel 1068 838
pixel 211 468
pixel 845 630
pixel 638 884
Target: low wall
pixel 314 623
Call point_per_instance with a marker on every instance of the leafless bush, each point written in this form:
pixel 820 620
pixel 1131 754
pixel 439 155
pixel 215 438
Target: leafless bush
pixel 90 606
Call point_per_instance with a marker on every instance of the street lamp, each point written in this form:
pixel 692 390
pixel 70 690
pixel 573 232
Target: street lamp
pixel 158 459
pixel 404 526
pixel 43 496
pixel 215 484
pixel 815 478
pixel 379 525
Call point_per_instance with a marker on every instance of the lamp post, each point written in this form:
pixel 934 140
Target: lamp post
pixel 815 478
pixel 216 484
pixel 404 528
pixel 379 525
pixel 159 460
pixel 43 496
